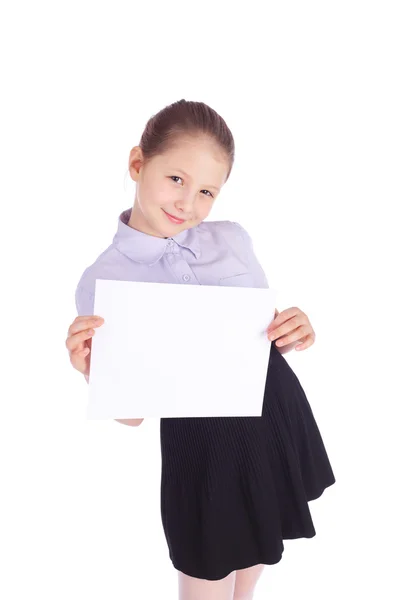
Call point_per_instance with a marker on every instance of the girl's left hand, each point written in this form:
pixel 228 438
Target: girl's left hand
pixel 290 326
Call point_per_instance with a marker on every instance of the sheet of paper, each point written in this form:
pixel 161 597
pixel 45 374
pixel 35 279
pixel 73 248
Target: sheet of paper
pixel 173 350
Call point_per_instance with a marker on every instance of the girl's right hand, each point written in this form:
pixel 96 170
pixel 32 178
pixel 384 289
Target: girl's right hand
pixel 79 341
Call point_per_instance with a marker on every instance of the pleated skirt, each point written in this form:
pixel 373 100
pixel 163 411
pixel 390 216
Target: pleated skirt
pixel 233 488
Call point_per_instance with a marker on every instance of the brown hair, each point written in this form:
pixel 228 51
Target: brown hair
pixel 186 118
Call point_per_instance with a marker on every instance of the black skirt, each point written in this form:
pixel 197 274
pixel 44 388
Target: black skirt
pixel 233 488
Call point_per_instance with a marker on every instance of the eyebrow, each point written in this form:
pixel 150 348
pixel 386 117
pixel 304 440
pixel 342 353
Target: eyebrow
pixel 188 176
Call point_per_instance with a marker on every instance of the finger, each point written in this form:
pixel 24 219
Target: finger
pixel 74 342
pixel 80 317
pixel 283 316
pixel 77 356
pixel 298 334
pixel 289 325
pixel 84 322
pixel 306 344
pixel 83 318
pixel 79 360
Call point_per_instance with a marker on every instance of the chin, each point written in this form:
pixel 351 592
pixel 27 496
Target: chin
pixel 174 229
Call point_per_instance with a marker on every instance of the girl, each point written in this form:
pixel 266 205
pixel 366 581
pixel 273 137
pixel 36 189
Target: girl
pixel 232 489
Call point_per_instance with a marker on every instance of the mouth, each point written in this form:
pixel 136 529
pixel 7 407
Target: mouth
pixel 174 219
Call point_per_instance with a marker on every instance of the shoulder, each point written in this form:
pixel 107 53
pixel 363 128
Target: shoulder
pixel 234 234
pixel 231 231
pixel 105 266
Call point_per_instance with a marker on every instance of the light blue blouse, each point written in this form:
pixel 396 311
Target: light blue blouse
pixel 212 253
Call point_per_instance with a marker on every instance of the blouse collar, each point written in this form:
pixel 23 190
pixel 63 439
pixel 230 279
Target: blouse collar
pixel 148 249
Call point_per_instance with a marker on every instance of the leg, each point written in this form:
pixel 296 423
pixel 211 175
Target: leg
pixel 246 580
pixel 192 588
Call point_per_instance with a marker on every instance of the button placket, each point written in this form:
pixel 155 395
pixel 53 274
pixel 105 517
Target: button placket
pixel 170 251
pixel 178 264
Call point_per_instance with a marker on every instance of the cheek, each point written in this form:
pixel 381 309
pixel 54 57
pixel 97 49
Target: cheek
pixel 156 196
pixel 204 207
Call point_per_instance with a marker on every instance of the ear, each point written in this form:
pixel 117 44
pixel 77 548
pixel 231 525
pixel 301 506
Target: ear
pixel 135 162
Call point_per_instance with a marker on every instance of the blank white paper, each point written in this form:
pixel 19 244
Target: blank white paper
pixel 173 350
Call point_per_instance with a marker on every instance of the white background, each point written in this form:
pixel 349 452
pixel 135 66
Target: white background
pixel 310 91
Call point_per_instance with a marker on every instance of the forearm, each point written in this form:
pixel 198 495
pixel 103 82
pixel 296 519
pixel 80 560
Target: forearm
pixel 131 422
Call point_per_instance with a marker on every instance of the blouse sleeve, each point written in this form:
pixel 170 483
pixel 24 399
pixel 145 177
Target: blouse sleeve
pixel 84 301
pixel 254 265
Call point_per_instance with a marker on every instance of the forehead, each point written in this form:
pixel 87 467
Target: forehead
pixel 197 158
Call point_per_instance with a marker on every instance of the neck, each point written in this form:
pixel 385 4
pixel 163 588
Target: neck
pixel 138 222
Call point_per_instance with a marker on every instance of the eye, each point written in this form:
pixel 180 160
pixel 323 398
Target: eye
pixel 177 177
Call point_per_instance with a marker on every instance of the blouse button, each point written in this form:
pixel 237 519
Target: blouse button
pixel 186 277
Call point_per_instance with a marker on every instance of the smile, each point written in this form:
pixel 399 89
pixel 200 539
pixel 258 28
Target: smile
pixel 174 219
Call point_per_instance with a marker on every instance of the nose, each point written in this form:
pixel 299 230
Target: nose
pixel 185 204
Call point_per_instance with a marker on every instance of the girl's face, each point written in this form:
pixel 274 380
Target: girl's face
pixel 183 183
